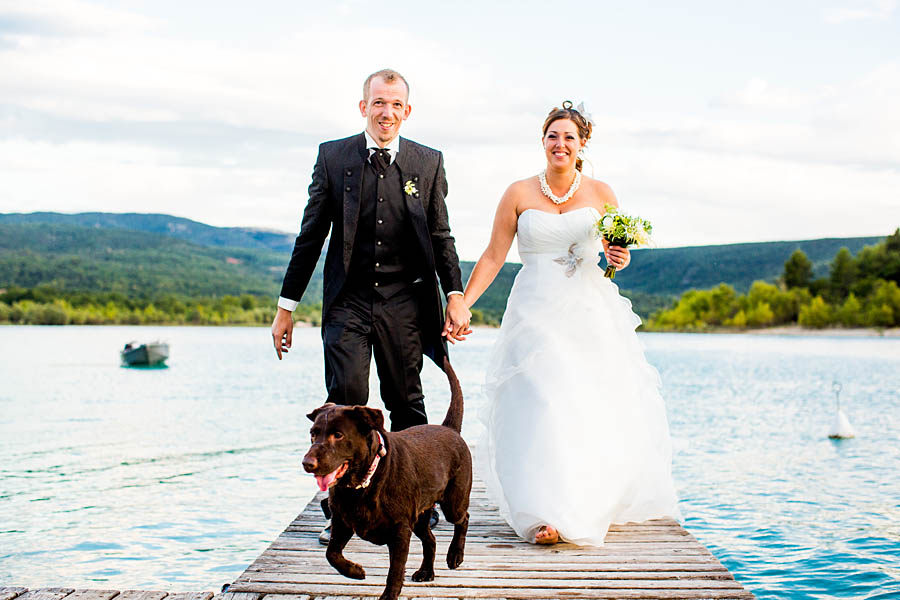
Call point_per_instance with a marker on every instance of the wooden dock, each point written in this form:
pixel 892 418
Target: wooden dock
pixel 655 559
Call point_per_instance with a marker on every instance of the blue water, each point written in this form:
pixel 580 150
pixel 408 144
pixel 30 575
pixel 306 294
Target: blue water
pixel 178 478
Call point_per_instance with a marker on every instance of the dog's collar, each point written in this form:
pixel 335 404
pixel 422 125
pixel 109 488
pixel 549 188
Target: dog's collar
pixel 381 452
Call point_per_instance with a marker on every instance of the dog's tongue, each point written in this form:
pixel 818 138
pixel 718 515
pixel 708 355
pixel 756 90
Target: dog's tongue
pixel 326 480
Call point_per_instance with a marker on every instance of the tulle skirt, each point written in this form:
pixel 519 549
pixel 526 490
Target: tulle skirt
pixel 576 429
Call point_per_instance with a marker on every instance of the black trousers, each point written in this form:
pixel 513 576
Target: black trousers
pixel 362 322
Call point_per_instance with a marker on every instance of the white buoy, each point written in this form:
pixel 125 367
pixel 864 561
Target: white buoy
pixel 840 426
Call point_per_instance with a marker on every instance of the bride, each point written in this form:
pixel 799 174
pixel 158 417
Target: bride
pixel 577 436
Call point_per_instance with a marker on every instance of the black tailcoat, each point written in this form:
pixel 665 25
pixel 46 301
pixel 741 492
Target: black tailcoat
pixel 334 206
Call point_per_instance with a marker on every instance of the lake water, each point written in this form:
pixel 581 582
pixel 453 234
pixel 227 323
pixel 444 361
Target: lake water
pixel 178 478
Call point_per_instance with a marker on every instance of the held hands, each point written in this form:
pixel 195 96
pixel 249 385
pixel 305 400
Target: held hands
pixel 282 331
pixel 456 326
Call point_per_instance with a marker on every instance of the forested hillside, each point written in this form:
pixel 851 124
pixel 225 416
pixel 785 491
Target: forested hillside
pixel 672 271
pixel 147 256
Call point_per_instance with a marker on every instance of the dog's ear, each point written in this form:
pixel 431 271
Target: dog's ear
pixel 312 416
pixel 367 418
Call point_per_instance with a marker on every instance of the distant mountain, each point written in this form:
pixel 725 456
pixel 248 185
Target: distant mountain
pixel 673 271
pixel 177 227
pixel 151 253
pixel 134 263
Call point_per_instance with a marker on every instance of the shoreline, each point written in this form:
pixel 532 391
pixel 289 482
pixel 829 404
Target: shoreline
pixel 860 332
pixel 893 332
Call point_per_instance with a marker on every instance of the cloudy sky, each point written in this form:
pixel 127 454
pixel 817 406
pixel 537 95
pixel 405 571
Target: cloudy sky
pixel 720 121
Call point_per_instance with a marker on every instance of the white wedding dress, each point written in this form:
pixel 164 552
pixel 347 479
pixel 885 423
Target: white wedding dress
pixel 577 435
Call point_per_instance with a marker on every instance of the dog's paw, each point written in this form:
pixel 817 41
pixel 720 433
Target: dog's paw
pixel 353 571
pixel 454 557
pixel 423 575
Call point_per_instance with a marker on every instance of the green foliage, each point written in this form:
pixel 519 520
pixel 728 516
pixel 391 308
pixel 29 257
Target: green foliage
pixel 698 310
pixel 798 270
pixel 843 274
pixel 103 268
pixel 850 313
pixel 48 306
pixel 816 315
pixel 859 292
pixel 673 271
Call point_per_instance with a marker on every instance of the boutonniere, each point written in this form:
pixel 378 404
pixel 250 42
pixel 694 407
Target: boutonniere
pixel 410 188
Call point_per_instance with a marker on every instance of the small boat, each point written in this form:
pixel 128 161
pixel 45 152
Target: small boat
pixel 154 353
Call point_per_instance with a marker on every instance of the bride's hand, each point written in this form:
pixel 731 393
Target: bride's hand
pixel 618 257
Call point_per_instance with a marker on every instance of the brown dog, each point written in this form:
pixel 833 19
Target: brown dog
pixel 384 485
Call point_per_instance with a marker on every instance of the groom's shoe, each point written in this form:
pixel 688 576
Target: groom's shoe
pixel 325 536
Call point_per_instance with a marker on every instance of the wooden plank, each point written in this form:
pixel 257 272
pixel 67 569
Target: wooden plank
pixel 190 596
pixel 8 593
pixel 503 583
pixel 491 549
pixel 92 595
pixel 550 560
pixel 46 594
pixel 229 595
pixel 526 593
pixel 381 571
pixel 487 570
pixel 141 595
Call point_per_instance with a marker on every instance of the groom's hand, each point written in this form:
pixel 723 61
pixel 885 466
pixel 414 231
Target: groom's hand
pixel 282 331
pixel 456 325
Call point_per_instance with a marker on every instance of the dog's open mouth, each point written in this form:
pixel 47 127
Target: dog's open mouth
pixel 326 481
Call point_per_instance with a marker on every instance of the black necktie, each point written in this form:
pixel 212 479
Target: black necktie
pixel 381 159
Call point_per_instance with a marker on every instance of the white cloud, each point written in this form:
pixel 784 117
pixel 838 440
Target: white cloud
pixel 69 18
pixel 860 10
pixel 108 110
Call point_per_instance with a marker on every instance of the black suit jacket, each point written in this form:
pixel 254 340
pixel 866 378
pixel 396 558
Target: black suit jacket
pixel 334 199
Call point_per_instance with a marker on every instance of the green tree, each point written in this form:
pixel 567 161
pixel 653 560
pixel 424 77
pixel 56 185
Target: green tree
pixel 850 313
pixel 817 314
pixel 797 270
pixel 760 315
pixel 843 274
pixel 879 316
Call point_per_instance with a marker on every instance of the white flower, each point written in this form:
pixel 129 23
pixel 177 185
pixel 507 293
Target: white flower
pixel 410 188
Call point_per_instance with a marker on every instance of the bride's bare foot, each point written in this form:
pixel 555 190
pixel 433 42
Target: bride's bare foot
pixel 546 535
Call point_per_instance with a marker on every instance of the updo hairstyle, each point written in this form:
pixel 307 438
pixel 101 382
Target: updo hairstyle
pixel 583 125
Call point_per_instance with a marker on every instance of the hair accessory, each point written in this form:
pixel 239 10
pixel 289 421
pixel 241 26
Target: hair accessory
pixel 584 113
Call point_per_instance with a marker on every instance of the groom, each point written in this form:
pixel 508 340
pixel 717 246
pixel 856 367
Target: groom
pixel 381 197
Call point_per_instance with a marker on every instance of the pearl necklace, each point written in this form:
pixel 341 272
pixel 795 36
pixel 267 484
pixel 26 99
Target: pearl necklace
pixel 549 193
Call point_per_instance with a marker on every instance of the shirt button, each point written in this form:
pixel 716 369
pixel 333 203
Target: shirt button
pixel 381 176
pixel 347 188
pixel 349 173
pixel 378 242
pixel 377 265
pixel 376 284
pixel 380 221
pixel 381 199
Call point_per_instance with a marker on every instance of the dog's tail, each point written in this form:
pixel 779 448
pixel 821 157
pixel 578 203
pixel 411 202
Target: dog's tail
pixel 454 417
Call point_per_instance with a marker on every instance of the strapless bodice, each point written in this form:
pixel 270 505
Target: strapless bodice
pixel 543 234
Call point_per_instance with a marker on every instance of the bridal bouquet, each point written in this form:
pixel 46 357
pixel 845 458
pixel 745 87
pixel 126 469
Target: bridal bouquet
pixel 622 230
